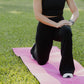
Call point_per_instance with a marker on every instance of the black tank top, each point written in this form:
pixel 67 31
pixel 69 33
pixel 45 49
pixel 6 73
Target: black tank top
pixel 53 7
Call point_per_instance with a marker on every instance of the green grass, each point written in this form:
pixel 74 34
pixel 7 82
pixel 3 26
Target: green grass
pixel 17 29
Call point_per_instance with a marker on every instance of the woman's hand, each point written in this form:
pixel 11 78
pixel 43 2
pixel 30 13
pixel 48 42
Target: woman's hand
pixel 63 22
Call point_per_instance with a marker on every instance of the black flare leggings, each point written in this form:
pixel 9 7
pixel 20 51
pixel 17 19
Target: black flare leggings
pixel 44 40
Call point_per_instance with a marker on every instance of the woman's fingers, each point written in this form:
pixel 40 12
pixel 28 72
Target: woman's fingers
pixel 63 22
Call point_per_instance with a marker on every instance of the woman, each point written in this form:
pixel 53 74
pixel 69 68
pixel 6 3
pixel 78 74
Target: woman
pixel 52 26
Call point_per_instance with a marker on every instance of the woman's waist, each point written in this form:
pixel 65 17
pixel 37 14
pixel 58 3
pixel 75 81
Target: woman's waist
pixel 50 16
pixel 53 18
pixel 56 17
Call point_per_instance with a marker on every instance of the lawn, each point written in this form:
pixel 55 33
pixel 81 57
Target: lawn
pixel 17 29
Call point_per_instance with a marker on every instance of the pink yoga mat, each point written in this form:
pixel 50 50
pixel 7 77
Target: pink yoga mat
pixel 49 73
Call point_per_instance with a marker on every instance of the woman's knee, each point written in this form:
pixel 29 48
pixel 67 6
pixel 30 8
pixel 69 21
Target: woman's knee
pixel 42 61
pixel 66 30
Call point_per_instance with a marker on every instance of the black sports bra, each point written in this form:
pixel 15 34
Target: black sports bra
pixel 53 7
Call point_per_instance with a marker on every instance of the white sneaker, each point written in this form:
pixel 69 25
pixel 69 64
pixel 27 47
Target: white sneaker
pixel 32 57
pixel 67 75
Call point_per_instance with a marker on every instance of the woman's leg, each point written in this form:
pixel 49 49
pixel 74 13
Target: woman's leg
pixel 42 47
pixel 64 35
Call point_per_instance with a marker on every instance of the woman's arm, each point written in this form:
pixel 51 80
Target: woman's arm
pixel 37 6
pixel 74 10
